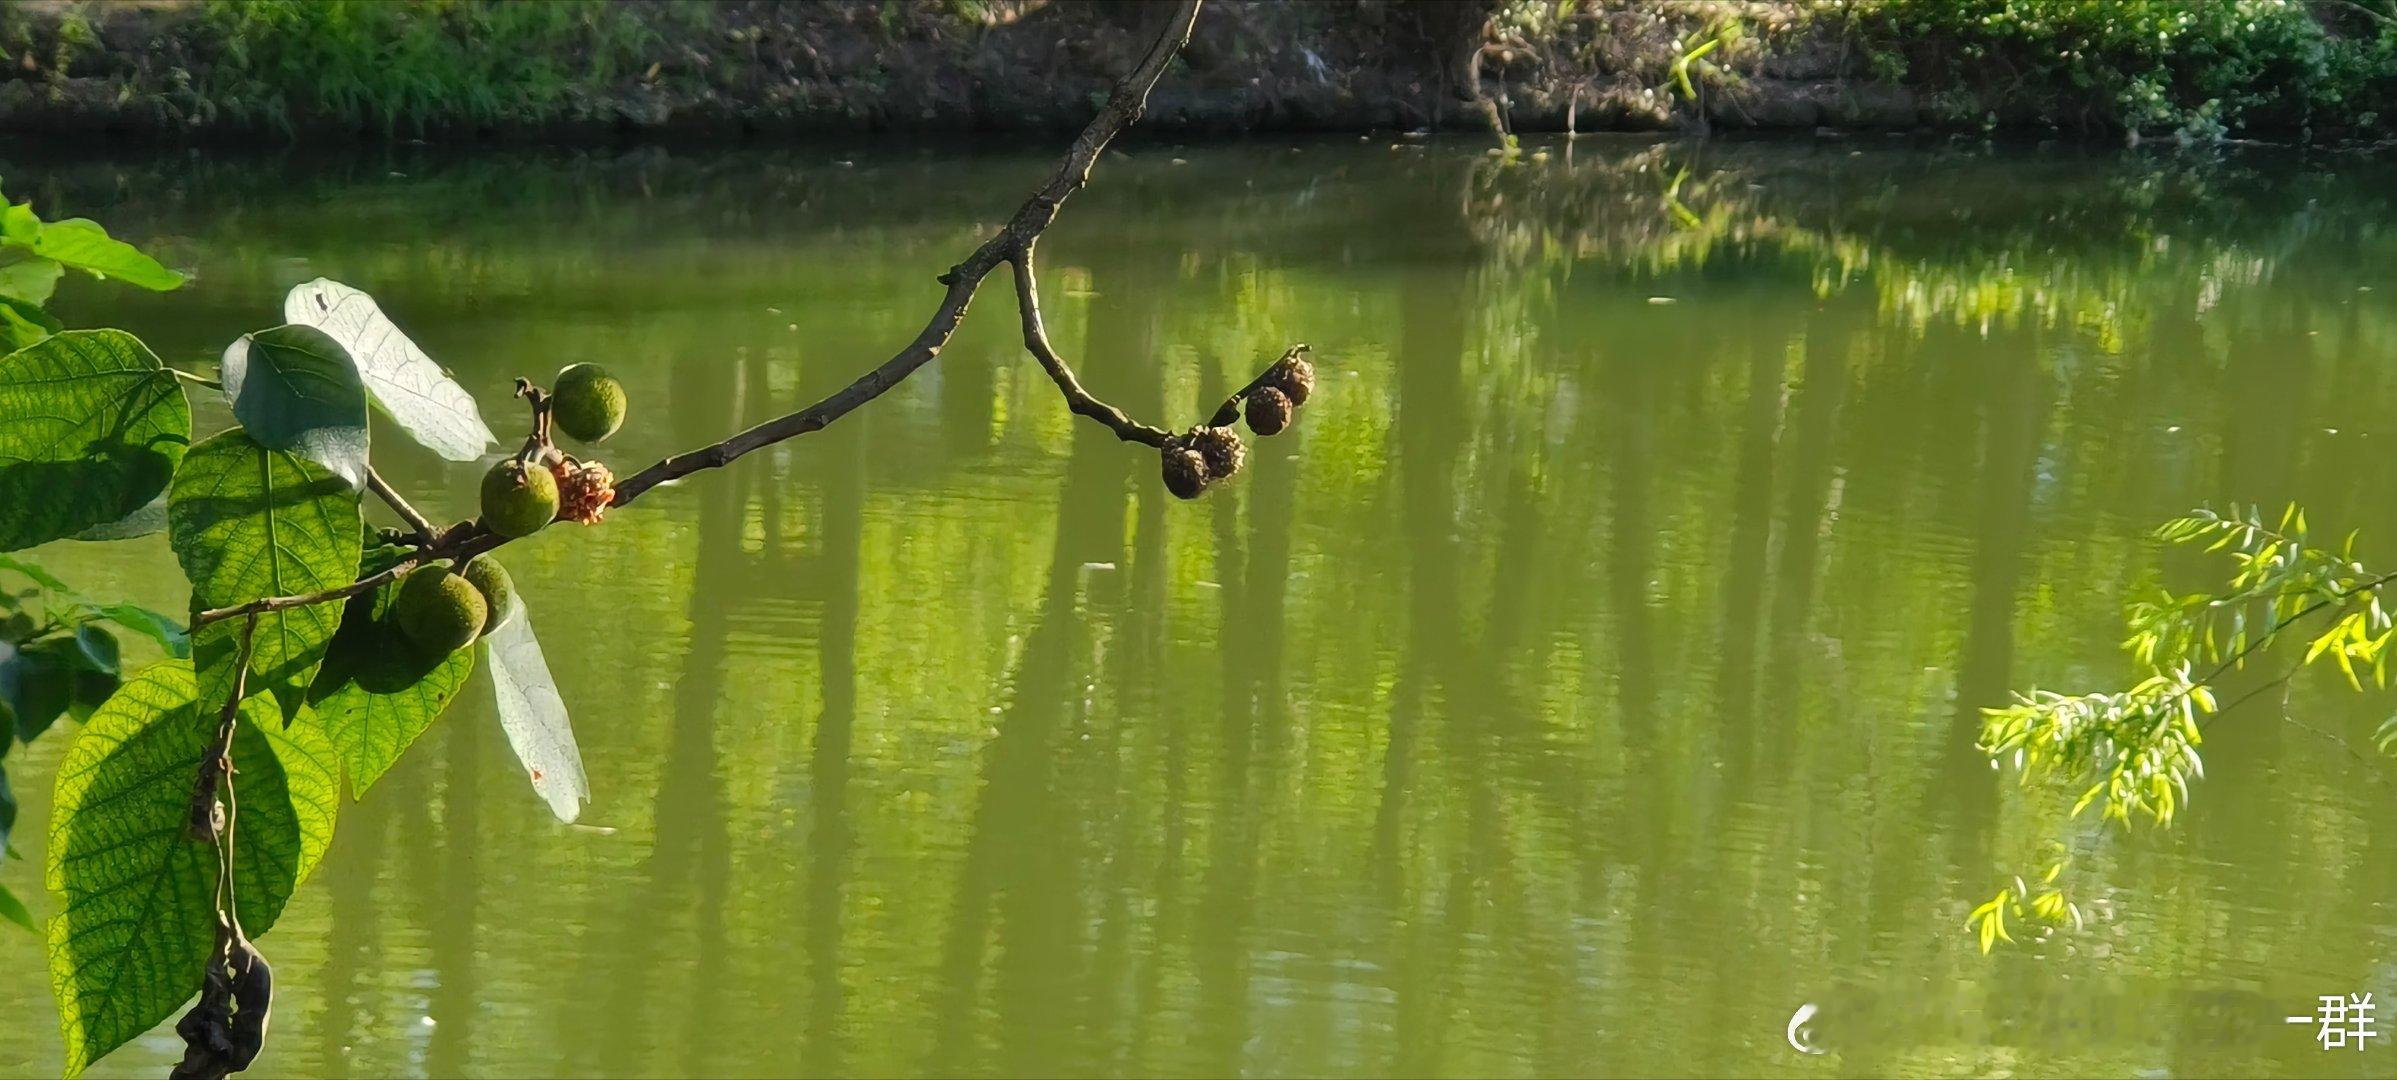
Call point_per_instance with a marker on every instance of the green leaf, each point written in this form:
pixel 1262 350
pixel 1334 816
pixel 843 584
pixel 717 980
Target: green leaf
pixel 84 245
pixel 23 322
pixel 37 684
pixel 142 620
pixel 295 389
pixel 247 522
pixel 377 692
pixel 426 403
pixel 19 224
pixel 28 277
pixel 8 807
pixel 65 602
pixel 533 716
pixel 137 913
pixel 91 427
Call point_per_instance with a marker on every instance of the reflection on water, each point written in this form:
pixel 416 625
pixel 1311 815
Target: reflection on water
pixel 1585 683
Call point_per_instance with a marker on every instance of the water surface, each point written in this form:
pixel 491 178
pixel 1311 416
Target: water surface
pixel 1586 683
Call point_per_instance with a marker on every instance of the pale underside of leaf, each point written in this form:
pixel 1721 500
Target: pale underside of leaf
pixel 137 912
pixel 150 518
pixel 294 388
pixel 534 716
pixel 413 390
pixel 91 428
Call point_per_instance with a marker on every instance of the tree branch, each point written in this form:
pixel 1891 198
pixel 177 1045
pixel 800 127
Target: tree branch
pixel 407 513
pixel 963 280
pixel 1012 245
pixel 1036 341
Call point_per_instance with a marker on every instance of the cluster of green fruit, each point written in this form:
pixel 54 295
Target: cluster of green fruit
pixel 1204 456
pixel 521 496
pixel 442 608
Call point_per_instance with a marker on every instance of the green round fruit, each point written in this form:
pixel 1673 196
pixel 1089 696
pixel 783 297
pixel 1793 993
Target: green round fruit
pixel 587 403
pixel 499 591
pixel 518 501
pixel 440 611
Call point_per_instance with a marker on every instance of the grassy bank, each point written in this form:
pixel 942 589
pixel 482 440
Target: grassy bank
pixel 2193 69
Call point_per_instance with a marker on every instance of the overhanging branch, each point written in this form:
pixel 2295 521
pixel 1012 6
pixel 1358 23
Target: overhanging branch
pixel 1012 246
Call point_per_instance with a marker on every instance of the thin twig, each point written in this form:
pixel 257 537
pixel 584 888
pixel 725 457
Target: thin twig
pixel 1012 245
pixel 216 762
pixel 1036 341
pixel 200 380
pixel 407 513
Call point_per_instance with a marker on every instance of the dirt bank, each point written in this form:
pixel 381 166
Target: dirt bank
pixel 317 69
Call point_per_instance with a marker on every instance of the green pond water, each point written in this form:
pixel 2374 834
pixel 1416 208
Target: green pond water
pixel 1584 685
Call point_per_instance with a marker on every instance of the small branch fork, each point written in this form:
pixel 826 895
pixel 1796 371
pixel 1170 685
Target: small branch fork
pixel 1011 247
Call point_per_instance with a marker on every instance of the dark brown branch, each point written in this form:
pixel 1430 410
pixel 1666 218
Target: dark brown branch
pixel 1011 245
pixel 963 280
pixel 1036 341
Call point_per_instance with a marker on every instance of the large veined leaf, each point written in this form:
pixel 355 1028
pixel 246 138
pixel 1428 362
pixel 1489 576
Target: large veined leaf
pixel 84 245
pixel 426 403
pixel 91 427
pixel 23 322
pixel 294 388
pixel 137 913
pixel 377 692
pixel 534 716
pixel 247 522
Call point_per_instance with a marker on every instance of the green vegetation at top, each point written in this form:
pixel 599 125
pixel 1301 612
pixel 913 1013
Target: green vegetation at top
pixel 2199 69
pixel 2196 69
pixel 388 64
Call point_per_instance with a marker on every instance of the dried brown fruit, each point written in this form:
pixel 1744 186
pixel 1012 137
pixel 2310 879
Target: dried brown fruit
pixel 1222 449
pixel 1294 376
pixel 585 490
pixel 1185 470
pixel 1268 411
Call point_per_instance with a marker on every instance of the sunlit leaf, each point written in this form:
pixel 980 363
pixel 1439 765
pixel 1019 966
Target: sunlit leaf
pixel 247 522
pixel 91 428
pixel 84 245
pixel 534 716
pixel 294 388
pixel 417 394
pixel 136 915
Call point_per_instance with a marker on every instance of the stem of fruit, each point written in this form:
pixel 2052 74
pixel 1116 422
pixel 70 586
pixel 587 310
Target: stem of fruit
pixel 391 497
